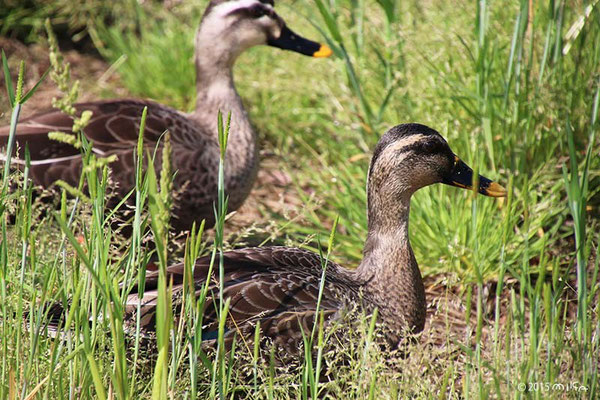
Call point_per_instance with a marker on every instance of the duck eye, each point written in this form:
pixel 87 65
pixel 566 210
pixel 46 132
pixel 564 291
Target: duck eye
pixel 430 147
pixel 456 160
pixel 257 11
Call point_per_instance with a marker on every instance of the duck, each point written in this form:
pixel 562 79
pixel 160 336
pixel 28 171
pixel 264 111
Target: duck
pixel 278 287
pixel 227 29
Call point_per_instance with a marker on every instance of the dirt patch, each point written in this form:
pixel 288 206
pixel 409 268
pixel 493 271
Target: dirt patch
pixel 273 194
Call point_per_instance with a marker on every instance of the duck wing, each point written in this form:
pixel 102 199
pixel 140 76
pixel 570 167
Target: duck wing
pixel 276 286
pixel 113 129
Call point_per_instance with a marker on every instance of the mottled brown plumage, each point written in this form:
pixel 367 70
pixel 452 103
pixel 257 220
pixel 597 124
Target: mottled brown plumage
pixel 228 28
pixel 279 286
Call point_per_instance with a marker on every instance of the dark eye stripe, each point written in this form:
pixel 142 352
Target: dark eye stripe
pixel 254 11
pixel 215 3
pixel 402 131
pixel 421 148
pixel 425 147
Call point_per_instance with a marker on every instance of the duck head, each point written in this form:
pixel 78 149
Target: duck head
pixel 411 156
pixel 230 27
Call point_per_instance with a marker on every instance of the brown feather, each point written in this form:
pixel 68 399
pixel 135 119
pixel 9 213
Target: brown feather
pixel 276 286
pixel 113 130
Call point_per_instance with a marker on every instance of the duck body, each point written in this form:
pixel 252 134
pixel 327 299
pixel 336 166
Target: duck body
pixel 227 29
pixel 279 286
pixel 113 130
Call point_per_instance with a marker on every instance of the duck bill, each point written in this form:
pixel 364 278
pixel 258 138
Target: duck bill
pixel 462 177
pixel 288 40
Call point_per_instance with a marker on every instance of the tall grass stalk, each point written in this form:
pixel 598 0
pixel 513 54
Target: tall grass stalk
pixel 17 98
pixel 577 187
pixel 135 251
pixel 311 373
pixel 158 205
pixel 219 382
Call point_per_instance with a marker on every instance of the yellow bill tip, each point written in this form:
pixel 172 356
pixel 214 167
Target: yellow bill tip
pixel 324 51
pixel 495 190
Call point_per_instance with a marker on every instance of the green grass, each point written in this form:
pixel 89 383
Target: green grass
pixel 517 97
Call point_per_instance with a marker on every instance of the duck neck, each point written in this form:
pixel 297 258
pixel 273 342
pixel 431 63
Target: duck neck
pixel 389 270
pixel 215 91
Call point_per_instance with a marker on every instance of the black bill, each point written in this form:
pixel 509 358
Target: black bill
pixel 462 177
pixel 288 40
